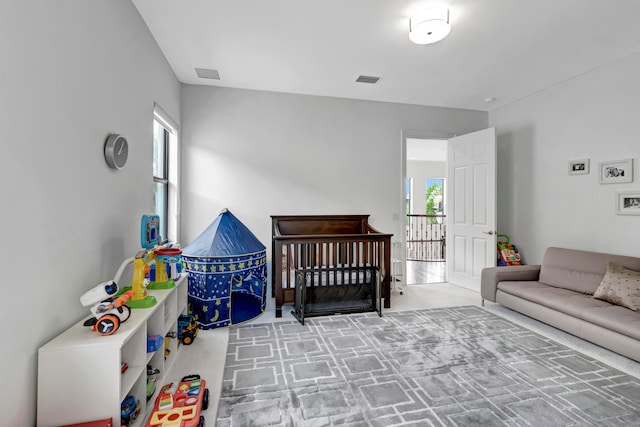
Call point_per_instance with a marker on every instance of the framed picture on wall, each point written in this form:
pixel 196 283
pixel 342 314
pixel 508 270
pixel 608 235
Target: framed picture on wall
pixel 628 203
pixel 579 167
pixel 616 172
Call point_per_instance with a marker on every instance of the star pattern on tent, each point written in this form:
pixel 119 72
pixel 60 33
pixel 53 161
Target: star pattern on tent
pixel 213 279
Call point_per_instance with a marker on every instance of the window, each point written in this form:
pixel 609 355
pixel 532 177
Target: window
pixel 165 182
pixel 408 189
pixel 435 200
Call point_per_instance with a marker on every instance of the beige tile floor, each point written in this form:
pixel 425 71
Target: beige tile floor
pixel 206 356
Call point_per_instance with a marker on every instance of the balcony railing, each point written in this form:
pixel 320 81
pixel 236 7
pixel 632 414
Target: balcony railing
pixel 426 238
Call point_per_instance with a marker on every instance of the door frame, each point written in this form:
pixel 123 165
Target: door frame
pixel 406 134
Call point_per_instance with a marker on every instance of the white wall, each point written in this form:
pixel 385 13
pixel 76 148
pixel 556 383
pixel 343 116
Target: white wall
pixel 593 116
pixel 73 71
pixel 264 153
pixel 420 171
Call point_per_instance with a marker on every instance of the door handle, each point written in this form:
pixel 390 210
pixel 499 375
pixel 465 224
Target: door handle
pixel 490 233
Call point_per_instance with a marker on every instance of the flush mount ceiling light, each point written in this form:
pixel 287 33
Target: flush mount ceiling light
pixel 429 25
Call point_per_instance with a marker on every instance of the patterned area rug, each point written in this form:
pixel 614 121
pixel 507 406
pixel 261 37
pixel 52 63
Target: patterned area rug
pixel 460 366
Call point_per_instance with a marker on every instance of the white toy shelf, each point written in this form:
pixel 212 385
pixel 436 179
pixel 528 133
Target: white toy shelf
pixel 79 371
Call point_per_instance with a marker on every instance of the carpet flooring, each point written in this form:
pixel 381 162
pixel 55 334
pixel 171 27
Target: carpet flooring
pixel 457 366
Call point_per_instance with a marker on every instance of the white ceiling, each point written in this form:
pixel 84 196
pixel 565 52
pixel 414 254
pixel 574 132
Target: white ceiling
pixel 503 49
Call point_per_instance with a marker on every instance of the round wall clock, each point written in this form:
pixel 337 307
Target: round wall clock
pixel 116 150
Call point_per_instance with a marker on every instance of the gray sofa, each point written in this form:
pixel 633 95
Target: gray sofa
pixel 560 291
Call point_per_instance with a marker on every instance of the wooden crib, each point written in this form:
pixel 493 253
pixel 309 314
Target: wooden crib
pixel 341 242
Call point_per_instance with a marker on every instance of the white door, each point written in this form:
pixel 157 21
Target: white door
pixel 471 211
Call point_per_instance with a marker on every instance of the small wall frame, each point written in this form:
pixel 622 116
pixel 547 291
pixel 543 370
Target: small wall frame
pixel 616 172
pixel 579 167
pixel 628 202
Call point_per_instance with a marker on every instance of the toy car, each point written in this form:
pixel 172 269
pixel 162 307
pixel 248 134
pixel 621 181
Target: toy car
pixel 187 328
pixel 129 410
pixel 181 404
pixel 108 310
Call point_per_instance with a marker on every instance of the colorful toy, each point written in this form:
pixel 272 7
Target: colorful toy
pixel 507 253
pixel 168 265
pixel 108 312
pixel 140 297
pixel 163 260
pixel 129 410
pixel 187 328
pixel 180 404
pixel 151 387
pixel 154 267
pixel 153 343
pixel 167 342
pixel 160 257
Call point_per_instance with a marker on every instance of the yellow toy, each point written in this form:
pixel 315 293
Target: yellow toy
pixel 152 257
pixel 139 281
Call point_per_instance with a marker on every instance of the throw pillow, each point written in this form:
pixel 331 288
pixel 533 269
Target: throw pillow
pixel 620 286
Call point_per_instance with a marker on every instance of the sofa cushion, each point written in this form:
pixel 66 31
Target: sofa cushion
pixel 560 299
pixel 578 305
pixel 579 271
pixel 620 286
pixel 615 318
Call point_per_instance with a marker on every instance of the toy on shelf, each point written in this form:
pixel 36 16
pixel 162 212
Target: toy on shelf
pixel 151 387
pixel 108 311
pixel 158 258
pixel 130 409
pixel 153 343
pixel 167 342
pixel 180 404
pixel 140 297
pixel 154 267
pixel 168 267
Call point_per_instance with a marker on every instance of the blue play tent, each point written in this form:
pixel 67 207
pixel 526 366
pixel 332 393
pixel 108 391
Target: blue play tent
pixel 227 273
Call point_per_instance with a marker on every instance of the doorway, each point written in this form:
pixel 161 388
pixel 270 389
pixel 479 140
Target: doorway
pixel 425 232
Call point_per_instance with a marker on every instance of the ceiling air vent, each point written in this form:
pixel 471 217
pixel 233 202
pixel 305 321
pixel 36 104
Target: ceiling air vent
pixel 367 79
pixel 208 73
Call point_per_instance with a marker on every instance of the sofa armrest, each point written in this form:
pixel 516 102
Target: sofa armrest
pixel 491 276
